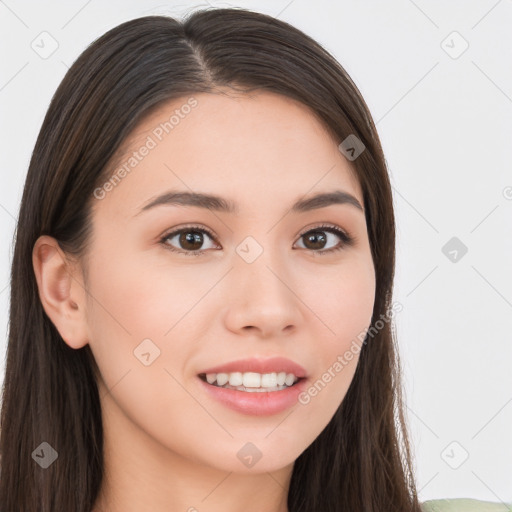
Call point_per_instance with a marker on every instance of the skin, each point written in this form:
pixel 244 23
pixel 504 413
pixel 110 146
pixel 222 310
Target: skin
pixel 168 445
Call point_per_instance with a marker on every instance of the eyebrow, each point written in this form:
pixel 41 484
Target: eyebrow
pixel 220 204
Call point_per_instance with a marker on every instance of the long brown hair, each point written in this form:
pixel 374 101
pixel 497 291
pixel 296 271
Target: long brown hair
pixel 361 461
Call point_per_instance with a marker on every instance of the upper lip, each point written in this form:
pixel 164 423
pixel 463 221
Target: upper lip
pixel 260 365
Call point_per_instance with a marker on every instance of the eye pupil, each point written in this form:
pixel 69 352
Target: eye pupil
pixel 188 238
pixel 314 237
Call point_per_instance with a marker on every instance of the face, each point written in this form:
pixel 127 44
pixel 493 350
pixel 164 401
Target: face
pixel 176 289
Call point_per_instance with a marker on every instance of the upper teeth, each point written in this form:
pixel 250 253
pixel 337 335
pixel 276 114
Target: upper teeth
pixel 251 379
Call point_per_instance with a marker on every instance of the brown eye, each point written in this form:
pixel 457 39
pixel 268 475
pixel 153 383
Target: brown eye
pixel 316 239
pixel 190 240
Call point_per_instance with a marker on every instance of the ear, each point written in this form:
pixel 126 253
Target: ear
pixel 61 291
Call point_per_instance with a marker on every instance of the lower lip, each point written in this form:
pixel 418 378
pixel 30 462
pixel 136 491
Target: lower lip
pixel 257 403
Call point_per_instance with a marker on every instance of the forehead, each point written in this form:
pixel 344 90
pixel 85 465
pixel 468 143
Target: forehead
pixel 252 147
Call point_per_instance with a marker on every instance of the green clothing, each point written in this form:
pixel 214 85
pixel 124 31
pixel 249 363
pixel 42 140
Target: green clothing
pixel 464 505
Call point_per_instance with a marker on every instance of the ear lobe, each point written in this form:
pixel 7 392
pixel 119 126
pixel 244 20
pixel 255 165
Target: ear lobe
pixel 61 293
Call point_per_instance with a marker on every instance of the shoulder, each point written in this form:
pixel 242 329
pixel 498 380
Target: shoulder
pixel 464 505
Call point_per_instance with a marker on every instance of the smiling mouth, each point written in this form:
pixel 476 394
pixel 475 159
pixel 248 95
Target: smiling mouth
pixel 254 389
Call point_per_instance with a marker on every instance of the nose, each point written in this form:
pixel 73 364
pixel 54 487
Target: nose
pixel 262 299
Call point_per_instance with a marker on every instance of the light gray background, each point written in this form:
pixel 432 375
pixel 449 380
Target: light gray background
pixel 444 118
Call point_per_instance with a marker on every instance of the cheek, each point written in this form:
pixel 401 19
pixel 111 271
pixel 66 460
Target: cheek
pixel 121 312
pixel 343 306
pixel 131 310
pixel 132 302
pixel 137 299
pixel 342 300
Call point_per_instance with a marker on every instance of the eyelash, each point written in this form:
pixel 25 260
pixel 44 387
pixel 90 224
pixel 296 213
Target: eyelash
pixel 347 239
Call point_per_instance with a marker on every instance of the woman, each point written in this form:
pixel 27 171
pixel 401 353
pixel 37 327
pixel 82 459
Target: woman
pixel 258 374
